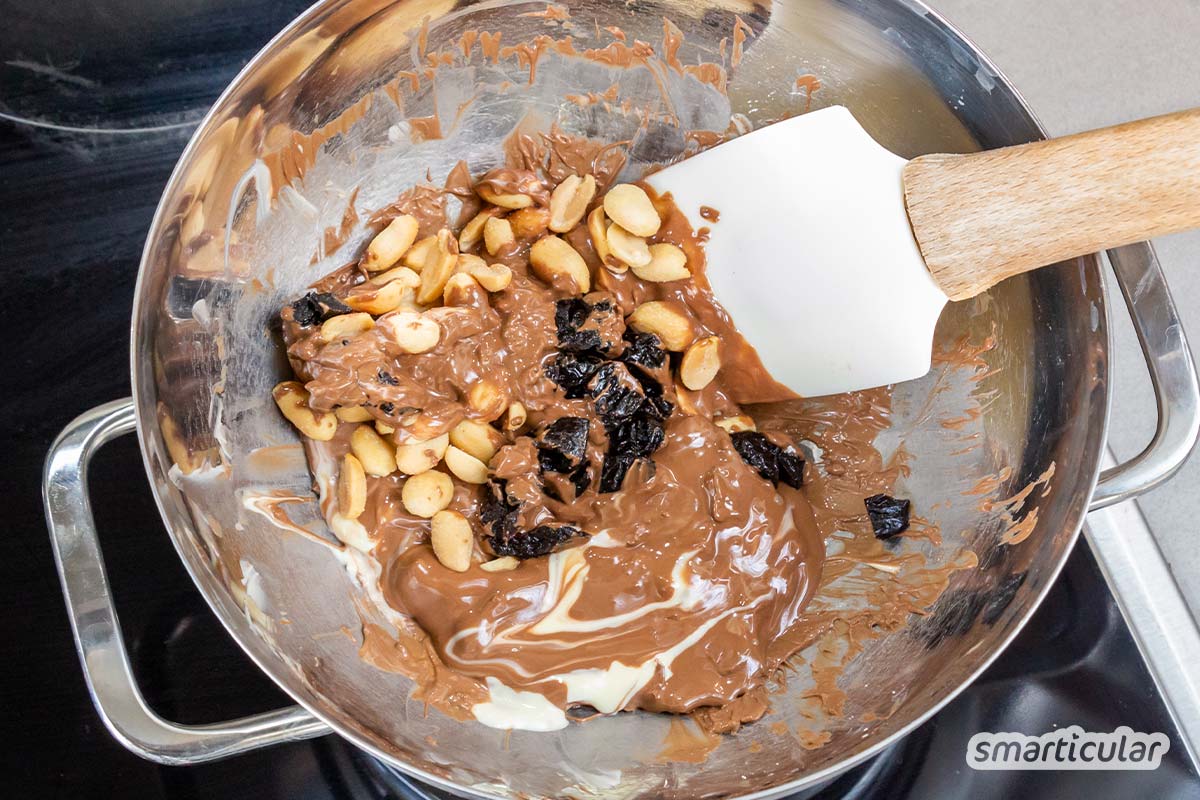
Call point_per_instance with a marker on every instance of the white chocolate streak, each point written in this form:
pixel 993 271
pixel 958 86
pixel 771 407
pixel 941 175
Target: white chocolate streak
pixel 512 710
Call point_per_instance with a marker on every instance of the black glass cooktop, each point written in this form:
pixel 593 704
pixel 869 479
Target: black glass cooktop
pixel 97 100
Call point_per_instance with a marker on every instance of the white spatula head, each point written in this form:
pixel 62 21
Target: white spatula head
pixel 813 255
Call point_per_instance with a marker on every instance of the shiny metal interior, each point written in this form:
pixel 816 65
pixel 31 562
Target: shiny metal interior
pixel 231 243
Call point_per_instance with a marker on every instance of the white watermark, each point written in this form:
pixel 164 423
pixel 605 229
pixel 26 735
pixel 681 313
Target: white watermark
pixel 1068 748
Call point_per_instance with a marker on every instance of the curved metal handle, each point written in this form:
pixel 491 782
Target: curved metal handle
pixel 1172 374
pixel 94 619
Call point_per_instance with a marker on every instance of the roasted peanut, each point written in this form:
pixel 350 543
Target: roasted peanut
pixel 701 363
pixel 569 202
pixel 553 260
pixel 417 254
pixel 461 290
pixel 412 332
pixel 391 243
pixel 630 207
pixel 476 438
pixel 426 494
pixel 405 276
pixel 667 263
pixel 492 277
pixel 734 424
pixel 378 299
pixel 472 232
pixel 529 223
pixel 515 417
pixel 627 248
pixel 353 414
pixel 418 457
pixel 452 540
pixel 489 194
pixel 497 234
pixel 292 399
pixel 439 266
pixel 376 454
pixel 666 320
pixel 465 467
pixel 346 326
pixel 503 564
pixel 487 399
pixel 352 488
pixel 383 429
pixel 597 225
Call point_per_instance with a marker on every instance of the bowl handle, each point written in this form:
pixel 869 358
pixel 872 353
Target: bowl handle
pixel 1172 374
pixel 97 632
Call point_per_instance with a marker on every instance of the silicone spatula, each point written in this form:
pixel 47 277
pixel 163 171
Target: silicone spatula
pixel 835 257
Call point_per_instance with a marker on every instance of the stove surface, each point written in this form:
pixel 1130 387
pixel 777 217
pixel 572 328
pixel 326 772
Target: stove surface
pixel 96 102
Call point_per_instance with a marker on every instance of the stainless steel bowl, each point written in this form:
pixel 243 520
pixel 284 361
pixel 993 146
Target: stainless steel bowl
pixel 236 234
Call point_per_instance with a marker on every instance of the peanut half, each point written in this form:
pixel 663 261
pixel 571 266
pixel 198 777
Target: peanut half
pixel 492 277
pixel 376 454
pixel 352 488
pixel 666 320
pixel 405 276
pixel 667 263
pixel 627 248
pixel 734 424
pixel 630 207
pixel 452 540
pixel 476 438
pixel 515 417
pixel 391 243
pixel 489 194
pixel 529 223
pixel 426 494
pixel 552 258
pixel 502 564
pixel 497 234
pixel 353 414
pixel 465 467
pixel 701 363
pixel 569 202
pixel 462 290
pixel 346 326
pixel 412 332
pixel 472 232
pixel 292 399
pixel 597 225
pixel 439 266
pixel 487 399
pixel 379 299
pixel 415 257
pixel 417 457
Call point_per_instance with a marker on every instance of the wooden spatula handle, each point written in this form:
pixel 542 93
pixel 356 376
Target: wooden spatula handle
pixel 982 217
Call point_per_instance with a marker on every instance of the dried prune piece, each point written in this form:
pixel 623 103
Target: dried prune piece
pixel 562 444
pixel 585 327
pixel 316 307
pixel 498 511
pixel 573 372
pixel 634 438
pixel 540 541
pixel 387 408
pixel 580 478
pixel 617 393
pixel 769 459
pixel 643 348
pixel 386 377
pixel 889 516
pixel 758 452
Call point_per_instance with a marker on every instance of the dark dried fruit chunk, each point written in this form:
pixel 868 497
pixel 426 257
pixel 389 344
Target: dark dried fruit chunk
pixel 386 377
pixel 769 459
pixel 889 516
pixel 585 327
pixel 644 349
pixel 316 307
pixel 498 511
pixel 541 541
pixel 617 393
pixel 573 372
pixel 635 438
pixel 562 444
